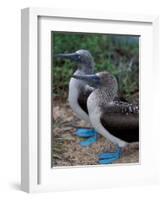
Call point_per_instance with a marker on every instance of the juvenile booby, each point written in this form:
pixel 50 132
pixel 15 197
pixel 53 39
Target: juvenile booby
pixel 117 121
pixel 79 91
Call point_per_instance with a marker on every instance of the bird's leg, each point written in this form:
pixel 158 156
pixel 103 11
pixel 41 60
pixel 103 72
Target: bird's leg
pixel 90 135
pixel 108 158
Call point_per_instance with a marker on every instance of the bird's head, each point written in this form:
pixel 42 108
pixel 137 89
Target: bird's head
pixel 82 57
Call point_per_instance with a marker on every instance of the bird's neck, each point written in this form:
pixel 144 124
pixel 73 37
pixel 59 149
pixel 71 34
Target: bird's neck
pixel 105 95
pixel 75 83
pixel 86 68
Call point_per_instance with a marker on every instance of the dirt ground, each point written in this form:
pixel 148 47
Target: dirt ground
pixel 66 150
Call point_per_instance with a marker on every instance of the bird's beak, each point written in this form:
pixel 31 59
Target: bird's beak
pixel 92 80
pixel 69 56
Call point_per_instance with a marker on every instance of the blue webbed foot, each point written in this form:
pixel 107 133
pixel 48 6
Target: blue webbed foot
pixel 91 135
pixel 83 132
pixel 108 158
pixel 89 141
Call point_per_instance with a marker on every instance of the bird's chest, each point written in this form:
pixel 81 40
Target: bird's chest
pixel 92 105
pixel 74 90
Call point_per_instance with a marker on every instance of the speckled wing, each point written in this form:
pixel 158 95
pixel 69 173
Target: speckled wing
pixel 121 119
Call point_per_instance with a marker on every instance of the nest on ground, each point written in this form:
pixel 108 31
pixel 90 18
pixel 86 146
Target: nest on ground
pixel 66 150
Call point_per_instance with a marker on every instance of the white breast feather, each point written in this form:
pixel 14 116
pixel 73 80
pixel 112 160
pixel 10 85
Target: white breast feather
pixel 73 99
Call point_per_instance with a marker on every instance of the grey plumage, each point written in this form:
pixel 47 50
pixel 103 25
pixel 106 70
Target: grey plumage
pixel 78 89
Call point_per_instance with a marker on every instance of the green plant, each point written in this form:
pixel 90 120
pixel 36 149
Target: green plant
pixel 114 53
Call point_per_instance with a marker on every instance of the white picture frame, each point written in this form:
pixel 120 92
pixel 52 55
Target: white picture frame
pixel 36 171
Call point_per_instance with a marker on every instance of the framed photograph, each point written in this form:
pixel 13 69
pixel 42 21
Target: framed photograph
pixel 88 113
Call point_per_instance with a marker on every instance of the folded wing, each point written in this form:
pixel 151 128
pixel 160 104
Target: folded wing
pixel 121 119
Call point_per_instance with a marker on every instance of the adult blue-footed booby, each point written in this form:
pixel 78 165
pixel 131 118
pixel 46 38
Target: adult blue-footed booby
pixel 117 121
pixel 79 91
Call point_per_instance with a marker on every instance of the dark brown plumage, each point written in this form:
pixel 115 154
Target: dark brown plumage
pixel 121 119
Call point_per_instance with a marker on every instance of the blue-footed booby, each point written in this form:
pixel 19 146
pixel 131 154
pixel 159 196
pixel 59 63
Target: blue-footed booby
pixel 117 121
pixel 79 91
